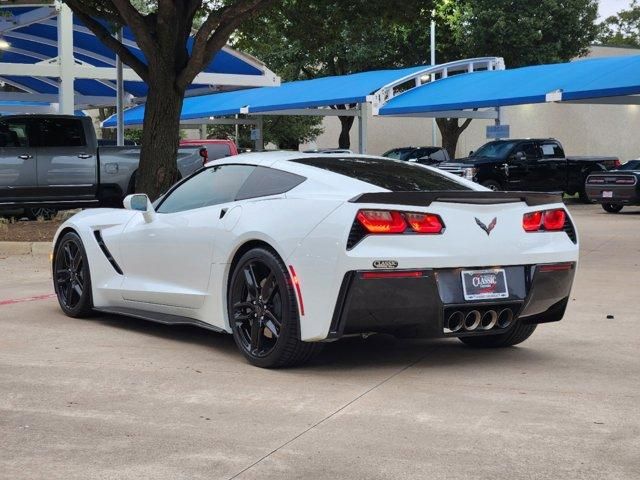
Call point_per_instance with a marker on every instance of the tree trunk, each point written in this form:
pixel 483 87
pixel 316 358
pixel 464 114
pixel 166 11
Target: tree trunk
pixel 160 138
pixel 345 137
pixel 450 132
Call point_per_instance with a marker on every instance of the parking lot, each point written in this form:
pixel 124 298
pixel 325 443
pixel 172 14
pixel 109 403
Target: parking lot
pixel 115 397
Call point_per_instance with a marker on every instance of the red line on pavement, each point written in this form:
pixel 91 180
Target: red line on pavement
pixel 26 299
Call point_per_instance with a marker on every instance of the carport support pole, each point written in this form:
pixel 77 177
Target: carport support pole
pixel 119 96
pixel 259 141
pixel 363 118
pixel 66 100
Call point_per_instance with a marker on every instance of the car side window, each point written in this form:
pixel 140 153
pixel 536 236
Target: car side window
pixel 211 186
pixel 13 133
pixel 265 181
pixel 61 132
pixel 530 150
pixel 551 150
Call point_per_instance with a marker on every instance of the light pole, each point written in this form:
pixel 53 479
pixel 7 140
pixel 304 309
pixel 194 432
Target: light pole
pixel 433 62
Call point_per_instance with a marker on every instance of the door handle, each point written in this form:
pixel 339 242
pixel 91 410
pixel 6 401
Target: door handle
pixel 84 156
pixel 25 157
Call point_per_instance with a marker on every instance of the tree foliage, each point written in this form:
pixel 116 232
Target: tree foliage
pixel 162 29
pixel 301 40
pixel 285 132
pixel 623 29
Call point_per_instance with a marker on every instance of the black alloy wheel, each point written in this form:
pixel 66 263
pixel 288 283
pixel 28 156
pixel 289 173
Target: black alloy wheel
pixel 71 278
pixel 263 312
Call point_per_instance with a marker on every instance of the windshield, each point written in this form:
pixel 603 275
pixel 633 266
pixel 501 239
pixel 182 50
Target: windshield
pixel 399 153
pixel 498 149
pixel 630 165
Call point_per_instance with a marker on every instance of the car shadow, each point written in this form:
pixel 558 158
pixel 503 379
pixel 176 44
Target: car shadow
pixel 348 354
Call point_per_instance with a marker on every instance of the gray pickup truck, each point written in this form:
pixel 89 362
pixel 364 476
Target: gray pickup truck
pixel 53 162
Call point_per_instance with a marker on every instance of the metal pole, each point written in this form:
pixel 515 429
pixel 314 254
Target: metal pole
pixel 119 96
pixel 66 100
pixel 434 125
pixel 259 141
pixel 363 118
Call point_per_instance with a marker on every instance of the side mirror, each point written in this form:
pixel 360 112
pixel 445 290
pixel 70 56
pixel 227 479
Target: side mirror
pixel 139 202
pixel 518 156
pixel 471 153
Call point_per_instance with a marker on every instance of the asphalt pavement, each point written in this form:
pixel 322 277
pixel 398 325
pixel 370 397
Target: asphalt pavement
pixel 119 398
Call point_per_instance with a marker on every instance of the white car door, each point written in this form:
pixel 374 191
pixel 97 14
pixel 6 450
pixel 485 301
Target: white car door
pixel 168 260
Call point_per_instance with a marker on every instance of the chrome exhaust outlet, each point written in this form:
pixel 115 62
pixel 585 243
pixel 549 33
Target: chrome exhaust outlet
pixel 505 318
pixel 489 320
pixel 472 320
pixel 455 321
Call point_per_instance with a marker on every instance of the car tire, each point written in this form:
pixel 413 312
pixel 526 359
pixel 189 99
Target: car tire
pixel 515 335
pixel 263 312
pixel 612 207
pixel 492 185
pixel 71 277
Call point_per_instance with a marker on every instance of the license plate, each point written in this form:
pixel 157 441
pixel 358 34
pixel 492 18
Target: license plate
pixel 607 194
pixel 484 284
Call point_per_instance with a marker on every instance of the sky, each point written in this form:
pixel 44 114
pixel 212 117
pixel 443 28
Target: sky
pixel 611 7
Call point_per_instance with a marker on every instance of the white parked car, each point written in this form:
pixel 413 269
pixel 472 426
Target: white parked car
pixel 287 250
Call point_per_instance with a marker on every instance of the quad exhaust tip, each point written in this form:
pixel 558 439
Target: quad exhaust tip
pixel 472 320
pixel 489 320
pixel 505 318
pixel 484 320
pixel 455 321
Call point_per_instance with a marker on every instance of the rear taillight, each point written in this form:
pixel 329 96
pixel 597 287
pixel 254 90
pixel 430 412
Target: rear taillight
pixel 544 220
pixel 382 221
pixel 424 222
pixel 392 221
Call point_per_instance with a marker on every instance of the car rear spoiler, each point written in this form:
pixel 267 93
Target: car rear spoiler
pixel 424 199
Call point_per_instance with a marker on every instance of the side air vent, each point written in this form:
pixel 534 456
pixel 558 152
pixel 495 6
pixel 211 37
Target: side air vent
pixel 106 251
pixel 356 234
pixel 570 230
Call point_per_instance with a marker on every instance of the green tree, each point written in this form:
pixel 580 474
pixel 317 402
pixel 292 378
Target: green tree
pixel 307 39
pixel 303 40
pixel 285 132
pixel 623 29
pixel 520 31
pixel 162 29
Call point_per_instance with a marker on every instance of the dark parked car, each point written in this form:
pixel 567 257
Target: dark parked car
pixel 529 164
pixel 616 188
pixel 422 155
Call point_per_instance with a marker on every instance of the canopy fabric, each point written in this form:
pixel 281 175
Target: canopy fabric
pixel 319 92
pixel 38 42
pixel 579 80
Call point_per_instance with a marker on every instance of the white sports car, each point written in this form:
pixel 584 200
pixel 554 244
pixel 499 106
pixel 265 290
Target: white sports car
pixel 289 250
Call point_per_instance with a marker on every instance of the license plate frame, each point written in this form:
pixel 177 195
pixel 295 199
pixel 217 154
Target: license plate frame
pixel 607 194
pixel 491 284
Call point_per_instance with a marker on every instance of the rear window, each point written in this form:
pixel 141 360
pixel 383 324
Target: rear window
pixel 391 175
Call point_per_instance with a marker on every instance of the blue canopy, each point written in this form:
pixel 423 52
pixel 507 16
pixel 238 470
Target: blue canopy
pixel 579 80
pixel 37 41
pixel 319 92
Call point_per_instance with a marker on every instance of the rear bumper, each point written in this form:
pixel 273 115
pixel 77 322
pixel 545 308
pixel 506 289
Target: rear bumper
pixel 621 195
pixel 421 305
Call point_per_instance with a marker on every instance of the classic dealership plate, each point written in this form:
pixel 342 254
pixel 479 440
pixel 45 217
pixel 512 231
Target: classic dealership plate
pixel 484 284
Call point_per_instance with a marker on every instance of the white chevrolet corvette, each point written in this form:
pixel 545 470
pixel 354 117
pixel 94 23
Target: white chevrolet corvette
pixel 288 250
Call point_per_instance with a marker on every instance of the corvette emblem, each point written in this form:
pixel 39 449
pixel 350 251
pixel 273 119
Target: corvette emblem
pixel 487 228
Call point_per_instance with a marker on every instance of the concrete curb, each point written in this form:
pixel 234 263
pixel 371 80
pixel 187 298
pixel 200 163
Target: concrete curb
pixel 24 248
